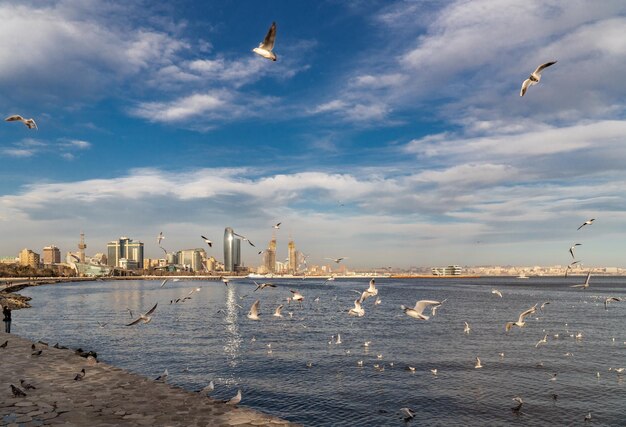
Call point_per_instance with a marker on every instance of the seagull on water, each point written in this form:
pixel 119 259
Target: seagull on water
pixel 358 310
pixel 571 249
pixel 235 399
pixel 434 372
pixel 519 401
pixel 477 365
pixel 420 306
pixel 588 417
pixel 610 300
pixel 278 310
pixel 467 328
pixel 584 285
pixel 267 45
pixel 407 413
pixel 535 77
pixel 144 317
pixel 497 292
pixel 29 123
pixel 253 314
pixel 207 241
pixel 588 222
pixel 520 321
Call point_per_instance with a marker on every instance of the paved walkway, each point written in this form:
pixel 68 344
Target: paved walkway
pixel 107 396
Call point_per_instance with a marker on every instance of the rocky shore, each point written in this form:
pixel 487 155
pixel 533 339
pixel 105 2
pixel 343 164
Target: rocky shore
pixel 105 396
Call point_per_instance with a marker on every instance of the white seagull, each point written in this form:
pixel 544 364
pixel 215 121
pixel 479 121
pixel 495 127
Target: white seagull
pixel 369 292
pixel 277 226
pixel 253 314
pixel 297 296
pixel 29 123
pixel 467 328
pixel 278 310
pixel 497 292
pixel 407 413
pixel 416 312
pixel 609 300
pixel 144 317
pixel 477 365
pixel 266 46
pixel 160 237
pixel 520 321
pixel 535 77
pixel 235 399
pixel 357 310
pixel 208 389
pixel 164 282
pixel 571 250
pixel 583 285
pixel 588 222
pixel 542 341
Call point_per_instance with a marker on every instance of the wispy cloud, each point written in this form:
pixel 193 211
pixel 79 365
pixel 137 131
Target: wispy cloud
pixel 30 147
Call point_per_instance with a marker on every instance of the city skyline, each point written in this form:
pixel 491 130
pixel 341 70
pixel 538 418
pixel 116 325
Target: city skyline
pixel 390 133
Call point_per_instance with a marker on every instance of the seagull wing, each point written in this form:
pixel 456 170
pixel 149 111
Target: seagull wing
pixel 270 37
pixel 278 310
pixel 13 118
pixel 588 277
pixel 254 310
pixel 135 322
pixel 164 282
pixel 421 305
pixel 525 85
pixel 527 312
pixel 543 67
pixel 151 310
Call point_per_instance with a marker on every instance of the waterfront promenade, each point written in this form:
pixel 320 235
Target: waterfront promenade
pixel 106 396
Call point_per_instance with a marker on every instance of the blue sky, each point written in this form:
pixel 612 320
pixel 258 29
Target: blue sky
pixel 391 133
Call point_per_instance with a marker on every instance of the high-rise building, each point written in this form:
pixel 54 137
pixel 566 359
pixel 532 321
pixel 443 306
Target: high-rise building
pixel 192 259
pixel 211 264
pixel 270 256
pixel 293 258
pixel 51 255
pixel 232 250
pixel 29 258
pixel 81 247
pixel 126 249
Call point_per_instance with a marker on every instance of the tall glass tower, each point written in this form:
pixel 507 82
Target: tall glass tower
pixel 229 245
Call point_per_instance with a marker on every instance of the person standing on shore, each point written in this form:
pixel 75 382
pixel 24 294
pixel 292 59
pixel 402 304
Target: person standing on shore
pixel 6 311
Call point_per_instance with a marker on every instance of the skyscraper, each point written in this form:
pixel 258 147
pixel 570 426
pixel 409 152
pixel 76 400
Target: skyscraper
pixel 232 250
pixel 125 248
pixel 293 258
pixel 270 256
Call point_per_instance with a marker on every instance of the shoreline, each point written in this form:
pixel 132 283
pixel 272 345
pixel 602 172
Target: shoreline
pixel 107 395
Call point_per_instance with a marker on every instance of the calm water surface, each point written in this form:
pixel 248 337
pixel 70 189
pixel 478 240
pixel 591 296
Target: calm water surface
pixel 210 338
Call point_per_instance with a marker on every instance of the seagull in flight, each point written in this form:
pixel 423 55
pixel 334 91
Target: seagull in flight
pixel 584 285
pixel 571 250
pixel 267 45
pixel 497 292
pixel 420 306
pixel 467 328
pixel 160 237
pixel 588 222
pixel 162 284
pixel 263 286
pixel 478 364
pixel 278 310
pixel 253 314
pixel 520 321
pixel 569 267
pixel 17 392
pixel 609 300
pixel 144 317
pixel 29 123
pixel 358 310
pixel 544 340
pixel 369 292
pixel 337 260
pixel 207 241
pixel 245 239
pixel 535 77
pixel 297 296
pixel 277 226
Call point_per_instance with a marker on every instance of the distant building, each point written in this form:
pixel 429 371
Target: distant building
pixel 29 258
pixel 293 258
pixel 51 255
pixel 211 264
pixel 171 258
pixel 127 249
pixel 451 270
pixel 9 260
pixel 232 250
pixel 192 259
pixel 270 256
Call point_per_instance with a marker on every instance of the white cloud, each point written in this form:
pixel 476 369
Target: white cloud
pixel 18 152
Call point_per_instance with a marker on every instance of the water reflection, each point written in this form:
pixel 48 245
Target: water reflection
pixel 233 337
